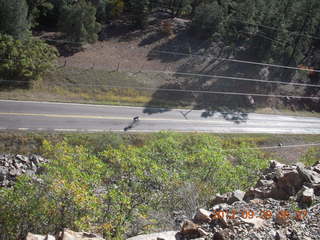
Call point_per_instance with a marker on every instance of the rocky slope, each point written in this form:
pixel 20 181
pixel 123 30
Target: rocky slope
pixel 284 205
pixel 12 166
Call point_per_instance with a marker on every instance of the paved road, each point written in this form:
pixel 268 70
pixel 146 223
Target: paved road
pixel 25 115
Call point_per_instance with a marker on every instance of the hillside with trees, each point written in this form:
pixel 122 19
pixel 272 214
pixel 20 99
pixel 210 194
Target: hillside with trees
pixel 214 55
pixel 284 35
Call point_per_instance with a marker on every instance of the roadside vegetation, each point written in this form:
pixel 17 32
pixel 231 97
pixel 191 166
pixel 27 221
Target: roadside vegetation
pixel 124 184
pixel 124 189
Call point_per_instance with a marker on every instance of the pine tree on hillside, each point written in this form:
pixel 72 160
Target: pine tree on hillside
pixel 139 10
pixel 14 18
pixel 78 22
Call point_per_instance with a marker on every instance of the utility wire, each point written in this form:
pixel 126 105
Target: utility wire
pixel 223 77
pixel 275 147
pixel 265 26
pixel 191 91
pixel 231 78
pixel 276 29
pixel 234 60
pixel 203 55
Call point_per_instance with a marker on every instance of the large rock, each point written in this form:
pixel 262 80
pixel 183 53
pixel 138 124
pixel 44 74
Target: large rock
pixel 31 236
pixel 67 234
pixel 190 229
pixel 12 166
pixel 287 183
pixel 202 216
pixel 170 235
pixel 275 164
pixel 222 235
pixel 309 176
pixel 220 198
pixel 316 167
pixel 236 196
pixel 255 222
pixel 256 193
pixel 305 196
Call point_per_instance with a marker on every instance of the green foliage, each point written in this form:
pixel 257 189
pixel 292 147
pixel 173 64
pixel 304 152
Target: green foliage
pixel 112 191
pixel 108 9
pixel 37 8
pixel 25 59
pixel 139 10
pixel 78 22
pixel 256 23
pixel 208 19
pixel 311 156
pixel 14 18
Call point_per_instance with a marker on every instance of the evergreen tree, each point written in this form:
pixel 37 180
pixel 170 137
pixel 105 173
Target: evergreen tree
pixel 36 9
pixel 14 18
pixel 139 10
pixel 78 22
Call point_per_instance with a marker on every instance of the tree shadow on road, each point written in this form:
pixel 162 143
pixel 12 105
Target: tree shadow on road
pixel 216 75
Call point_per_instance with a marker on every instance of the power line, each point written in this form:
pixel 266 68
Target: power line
pixel 217 58
pixel 191 91
pixel 231 78
pixel 203 55
pixel 277 29
pixel 234 60
pixel 275 147
pixel 267 27
pixel 227 77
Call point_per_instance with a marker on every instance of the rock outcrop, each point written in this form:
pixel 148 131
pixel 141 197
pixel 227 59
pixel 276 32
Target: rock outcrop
pixel 12 166
pixel 65 235
pixel 283 205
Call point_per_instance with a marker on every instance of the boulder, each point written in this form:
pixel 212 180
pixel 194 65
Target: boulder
pixel 316 167
pixel 316 188
pixel 67 234
pixel 170 235
pixel 222 235
pixel 256 193
pixel 202 216
pixel 287 184
pixel 305 196
pixel 280 236
pixel 236 196
pixel 220 198
pixel 189 228
pixel 275 164
pixel 308 175
pixel 264 183
pixel 31 236
pixel 255 222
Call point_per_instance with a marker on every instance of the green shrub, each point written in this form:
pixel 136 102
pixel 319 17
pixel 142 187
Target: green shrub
pixel 209 19
pixel 311 156
pixel 78 22
pixel 25 59
pixel 108 9
pixel 111 192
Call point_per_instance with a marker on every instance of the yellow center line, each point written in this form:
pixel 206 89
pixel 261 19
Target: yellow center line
pixel 105 117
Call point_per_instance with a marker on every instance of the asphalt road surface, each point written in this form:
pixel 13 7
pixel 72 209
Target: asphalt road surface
pixel 27 115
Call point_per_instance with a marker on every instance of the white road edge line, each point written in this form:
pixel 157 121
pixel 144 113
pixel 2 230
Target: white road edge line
pixel 65 130
pixel 94 105
pixel 116 106
pixel 23 129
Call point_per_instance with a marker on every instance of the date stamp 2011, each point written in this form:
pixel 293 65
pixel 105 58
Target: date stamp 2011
pixel 264 214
